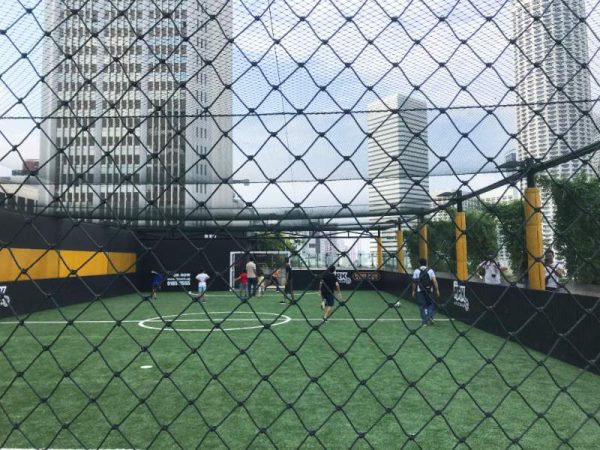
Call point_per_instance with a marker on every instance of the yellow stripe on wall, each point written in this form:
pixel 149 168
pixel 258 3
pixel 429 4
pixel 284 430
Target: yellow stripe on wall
pixel 23 264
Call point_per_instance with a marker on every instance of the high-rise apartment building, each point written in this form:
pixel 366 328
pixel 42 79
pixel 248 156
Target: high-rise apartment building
pixel 137 106
pixel 552 81
pixel 398 159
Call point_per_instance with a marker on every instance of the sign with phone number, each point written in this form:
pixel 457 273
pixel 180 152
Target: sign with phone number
pixel 346 278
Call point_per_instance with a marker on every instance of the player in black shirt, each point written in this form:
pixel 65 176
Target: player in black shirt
pixel 288 291
pixel 329 284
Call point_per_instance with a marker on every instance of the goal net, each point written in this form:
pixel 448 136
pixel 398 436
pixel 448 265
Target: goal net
pixel 266 263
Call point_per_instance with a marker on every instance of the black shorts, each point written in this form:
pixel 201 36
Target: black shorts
pixel 288 287
pixel 328 298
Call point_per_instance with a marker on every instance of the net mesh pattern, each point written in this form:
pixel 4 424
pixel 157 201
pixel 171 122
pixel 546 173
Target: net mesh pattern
pixel 145 141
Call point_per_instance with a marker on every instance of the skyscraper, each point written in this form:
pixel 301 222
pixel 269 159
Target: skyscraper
pixel 552 85
pixel 137 106
pixel 398 158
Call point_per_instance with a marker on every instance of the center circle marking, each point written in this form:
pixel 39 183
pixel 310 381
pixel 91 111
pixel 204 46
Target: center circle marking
pixel 146 323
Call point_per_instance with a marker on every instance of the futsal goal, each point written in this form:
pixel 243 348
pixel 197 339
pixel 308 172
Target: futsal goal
pixel 266 263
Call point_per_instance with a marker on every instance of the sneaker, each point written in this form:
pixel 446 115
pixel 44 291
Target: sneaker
pixel 282 302
pixel 398 304
pixel 431 322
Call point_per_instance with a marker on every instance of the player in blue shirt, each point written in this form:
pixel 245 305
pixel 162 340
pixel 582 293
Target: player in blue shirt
pixel 157 280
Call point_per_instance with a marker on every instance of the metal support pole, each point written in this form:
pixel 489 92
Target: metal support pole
pixel 460 223
pixel 379 251
pixel 423 241
pixel 460 231
pixel 533 236
pixel 400 251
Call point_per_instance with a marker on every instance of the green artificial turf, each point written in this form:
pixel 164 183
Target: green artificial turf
pixel 357 382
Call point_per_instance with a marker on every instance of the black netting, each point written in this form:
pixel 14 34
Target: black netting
pixel 215 214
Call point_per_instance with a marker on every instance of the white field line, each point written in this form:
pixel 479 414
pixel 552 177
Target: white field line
pixel 310 319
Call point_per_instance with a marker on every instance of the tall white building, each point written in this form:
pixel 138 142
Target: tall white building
pixel 320 250
pixel 552 84
pixel 398 159
pixel 136 100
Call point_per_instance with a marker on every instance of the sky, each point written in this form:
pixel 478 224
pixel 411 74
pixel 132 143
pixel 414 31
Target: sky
pixel 349 47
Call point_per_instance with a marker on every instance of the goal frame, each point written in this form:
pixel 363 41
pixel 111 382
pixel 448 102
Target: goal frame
pixel 233 254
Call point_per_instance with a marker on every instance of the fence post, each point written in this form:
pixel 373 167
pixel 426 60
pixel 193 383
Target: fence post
pixel 379 251
pixel 533 235
pixel 400 251
pixel 460 223
pixel 423 240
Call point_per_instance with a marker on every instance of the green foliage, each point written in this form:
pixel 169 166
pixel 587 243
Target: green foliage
pixel 511 222
pixel 275 242
pixel 440 240
pixel 482 237
pixel 482 240
pixel 577 225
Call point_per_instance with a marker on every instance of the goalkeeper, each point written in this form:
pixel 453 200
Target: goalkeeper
pixel 157 279
pixel 328 286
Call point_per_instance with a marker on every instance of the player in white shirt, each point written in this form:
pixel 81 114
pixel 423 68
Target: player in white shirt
pixel 554 270
pixel 202 278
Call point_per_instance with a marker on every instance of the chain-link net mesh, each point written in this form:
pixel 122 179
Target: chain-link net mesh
pixel 299 223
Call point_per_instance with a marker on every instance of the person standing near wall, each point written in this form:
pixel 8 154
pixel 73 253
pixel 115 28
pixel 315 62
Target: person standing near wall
pixel 157 280
pixel 251 272
pixel 423 286
pixel 554 270
pixel 491 270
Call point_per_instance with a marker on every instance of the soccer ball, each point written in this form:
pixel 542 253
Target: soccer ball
pixel 398 304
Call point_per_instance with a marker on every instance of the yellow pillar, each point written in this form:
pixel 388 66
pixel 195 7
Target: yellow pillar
pixel 534 238
pixel 423 242
pixel 400 251
pixel 379 253
pixel 460 222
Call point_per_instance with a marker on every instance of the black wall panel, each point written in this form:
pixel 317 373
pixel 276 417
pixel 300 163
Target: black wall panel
pixel 562 325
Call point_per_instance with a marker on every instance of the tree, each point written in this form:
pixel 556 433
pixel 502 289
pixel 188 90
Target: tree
pixel 440 242
pixel 577 225
pixel 482 240
pixel 482 237
pixel 275 241
pixel 511 223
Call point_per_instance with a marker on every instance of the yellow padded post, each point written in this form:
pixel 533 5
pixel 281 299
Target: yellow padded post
pixel 379 253
pixel 423 242
pixel 534 238
pixel 400 251
pixel 460 223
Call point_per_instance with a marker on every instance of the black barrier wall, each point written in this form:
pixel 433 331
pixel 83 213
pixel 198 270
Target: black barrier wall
pixel 561 325
pixel 308 280
pixel 180 259
pixel 48 233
